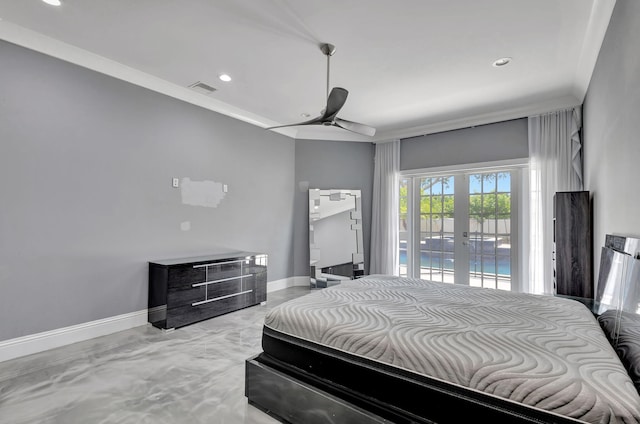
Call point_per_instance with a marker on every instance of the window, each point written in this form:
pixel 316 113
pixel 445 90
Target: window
pixel 461 225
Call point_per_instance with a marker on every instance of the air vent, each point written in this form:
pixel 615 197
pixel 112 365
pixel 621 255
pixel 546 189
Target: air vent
pixel 201 87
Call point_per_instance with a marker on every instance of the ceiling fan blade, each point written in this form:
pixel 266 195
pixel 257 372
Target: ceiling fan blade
pixel 335 101
pixel 314 121
pixel 355 127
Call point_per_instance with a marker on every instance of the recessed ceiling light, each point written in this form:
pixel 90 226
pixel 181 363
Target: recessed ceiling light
pixel 53 2
pixel 502 62
pixel 225 77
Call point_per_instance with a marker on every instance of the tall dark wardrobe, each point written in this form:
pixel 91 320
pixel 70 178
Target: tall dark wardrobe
pixel 573 244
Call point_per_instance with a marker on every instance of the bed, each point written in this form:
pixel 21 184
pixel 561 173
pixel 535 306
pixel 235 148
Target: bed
pixel 389 349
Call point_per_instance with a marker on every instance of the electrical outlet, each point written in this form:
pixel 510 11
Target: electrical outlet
pixel 175 182
pixel 224 188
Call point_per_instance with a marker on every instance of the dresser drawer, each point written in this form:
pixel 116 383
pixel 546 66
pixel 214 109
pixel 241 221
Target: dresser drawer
pixel 222 270
pixel 184 276
pixel 184 295
pixel 184 315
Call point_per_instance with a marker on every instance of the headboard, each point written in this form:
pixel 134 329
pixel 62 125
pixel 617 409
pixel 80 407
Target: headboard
pixel 619 277
pixel 618 299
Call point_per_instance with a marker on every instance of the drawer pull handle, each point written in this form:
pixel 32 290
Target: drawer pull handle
pixel 220 298
pixel 248 258
pixel 206 283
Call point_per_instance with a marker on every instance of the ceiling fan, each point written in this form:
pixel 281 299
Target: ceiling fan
pixel 335 101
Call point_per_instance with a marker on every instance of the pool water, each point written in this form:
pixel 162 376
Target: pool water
pixel 445 260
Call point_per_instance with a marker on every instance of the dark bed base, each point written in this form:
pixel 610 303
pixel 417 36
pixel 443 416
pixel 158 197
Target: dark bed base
pixel 291 400
pixel 296 396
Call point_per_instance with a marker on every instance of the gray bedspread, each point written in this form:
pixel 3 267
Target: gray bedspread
pixel 542 351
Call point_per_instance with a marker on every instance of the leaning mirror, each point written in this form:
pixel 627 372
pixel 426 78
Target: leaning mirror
pixel 335 236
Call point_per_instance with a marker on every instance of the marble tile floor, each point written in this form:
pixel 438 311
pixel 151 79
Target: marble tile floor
pixel 194 374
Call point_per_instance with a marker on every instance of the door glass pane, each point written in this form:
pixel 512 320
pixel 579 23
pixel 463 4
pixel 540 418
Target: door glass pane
pixel 436 228
pixel 447 185
pixel 490 230
pixel 504 182
pixel 475 183
pixel 403 229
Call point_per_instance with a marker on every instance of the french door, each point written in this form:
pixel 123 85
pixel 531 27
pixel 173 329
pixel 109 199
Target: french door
pixel 460 227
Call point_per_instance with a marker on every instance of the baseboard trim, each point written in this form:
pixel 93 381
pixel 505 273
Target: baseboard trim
pixel 287 282
pixel 39 342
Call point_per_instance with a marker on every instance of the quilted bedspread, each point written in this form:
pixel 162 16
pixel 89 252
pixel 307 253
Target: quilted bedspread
pixel 542 351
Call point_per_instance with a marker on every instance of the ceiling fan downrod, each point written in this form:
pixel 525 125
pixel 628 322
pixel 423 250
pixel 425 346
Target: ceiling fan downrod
pixel 328 50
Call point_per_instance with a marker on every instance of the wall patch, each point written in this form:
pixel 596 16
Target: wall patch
pixel 201 193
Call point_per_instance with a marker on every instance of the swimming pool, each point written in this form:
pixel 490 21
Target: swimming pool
pixel 445 260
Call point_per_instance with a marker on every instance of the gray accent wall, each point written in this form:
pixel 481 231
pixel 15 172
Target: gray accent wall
pixel 326 165
pixel 485 143
pixel 86 200
pixel 611 129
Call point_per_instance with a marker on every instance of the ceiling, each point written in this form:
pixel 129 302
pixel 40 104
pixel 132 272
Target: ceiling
pixel 411 67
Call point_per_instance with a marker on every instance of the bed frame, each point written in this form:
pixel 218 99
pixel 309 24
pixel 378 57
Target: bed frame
pixel 293 395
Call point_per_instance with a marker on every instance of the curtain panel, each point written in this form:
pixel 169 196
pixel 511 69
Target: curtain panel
pixel 384 225
pixel 555 164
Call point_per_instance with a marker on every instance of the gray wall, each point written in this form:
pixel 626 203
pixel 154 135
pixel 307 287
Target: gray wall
pixel 486 143
pixel 326 165
pixel 86 201
pixel 611 129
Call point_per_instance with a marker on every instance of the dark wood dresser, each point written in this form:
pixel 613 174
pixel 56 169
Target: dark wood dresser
pixel 183 291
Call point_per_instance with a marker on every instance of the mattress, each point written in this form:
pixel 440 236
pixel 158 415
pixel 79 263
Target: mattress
pixel 541 351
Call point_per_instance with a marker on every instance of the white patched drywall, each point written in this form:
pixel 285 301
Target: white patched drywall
pixel 201 193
